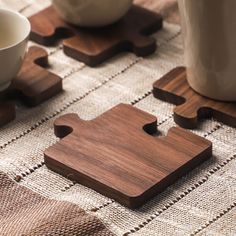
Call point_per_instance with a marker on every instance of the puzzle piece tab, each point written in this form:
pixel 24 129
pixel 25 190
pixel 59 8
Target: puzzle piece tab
pixel 33 85
pixel 191 106
pixel 116 155
pixel 94 45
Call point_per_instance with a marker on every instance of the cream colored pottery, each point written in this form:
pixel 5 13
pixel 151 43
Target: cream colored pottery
pixel 209 31
pixel 92 13
pixel 14 33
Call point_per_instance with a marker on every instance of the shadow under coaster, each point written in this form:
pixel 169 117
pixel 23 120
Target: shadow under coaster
pixel 116 155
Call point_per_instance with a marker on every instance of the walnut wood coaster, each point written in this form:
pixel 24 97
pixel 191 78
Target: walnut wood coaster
pixel 95 45
pixel 191 107
pixel 33 85
pixel 116 154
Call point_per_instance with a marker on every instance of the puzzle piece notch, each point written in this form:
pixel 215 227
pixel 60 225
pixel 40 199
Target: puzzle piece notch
pixel 115 156
pixel 34 84
pixel 94 45
pixel 191 107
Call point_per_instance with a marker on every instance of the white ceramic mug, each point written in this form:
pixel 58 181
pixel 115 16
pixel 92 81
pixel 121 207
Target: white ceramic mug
pixel 209 30
pixel 14 34
pixel 92 13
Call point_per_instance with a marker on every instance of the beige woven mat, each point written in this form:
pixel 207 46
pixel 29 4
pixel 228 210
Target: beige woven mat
pixel 201 203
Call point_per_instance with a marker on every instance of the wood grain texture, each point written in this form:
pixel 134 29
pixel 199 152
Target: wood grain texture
pixel 33 85
pixel 116 154
pixel 191 107
pixel 95 45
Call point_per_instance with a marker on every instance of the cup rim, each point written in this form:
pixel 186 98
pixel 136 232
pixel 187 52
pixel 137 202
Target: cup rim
pixel 27 23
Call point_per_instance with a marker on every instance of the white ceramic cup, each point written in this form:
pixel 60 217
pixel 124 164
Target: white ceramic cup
pixel 209 30
pixel 92 13
pixel 14 34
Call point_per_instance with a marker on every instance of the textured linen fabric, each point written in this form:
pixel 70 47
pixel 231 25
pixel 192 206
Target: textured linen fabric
pixel 24 212
pixel 201 203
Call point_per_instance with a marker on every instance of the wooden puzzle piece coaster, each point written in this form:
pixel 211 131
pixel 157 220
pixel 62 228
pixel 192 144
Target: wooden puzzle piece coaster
pixel 33 85
pixel 94 45
pixel 191 106
pixel 116 155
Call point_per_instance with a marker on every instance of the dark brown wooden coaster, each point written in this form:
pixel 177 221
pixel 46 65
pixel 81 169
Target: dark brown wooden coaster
pixel 116 155
pixel 191 107
pixel 93 46
pixel 33 85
